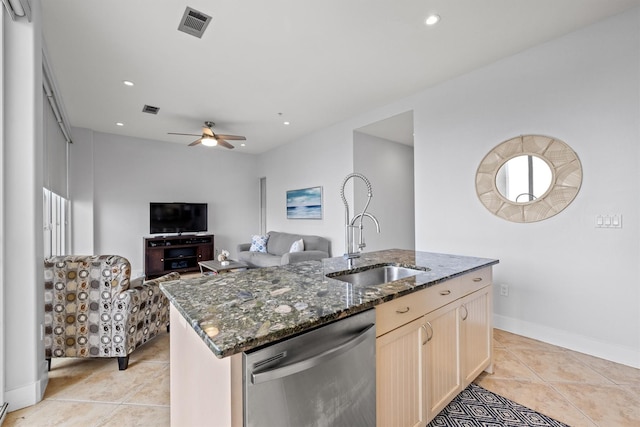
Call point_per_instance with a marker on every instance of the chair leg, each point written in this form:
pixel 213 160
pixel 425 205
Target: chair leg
pixel 123 363
pixel 48 363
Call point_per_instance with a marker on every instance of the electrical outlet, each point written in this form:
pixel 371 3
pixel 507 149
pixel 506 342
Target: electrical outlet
pixel 504 290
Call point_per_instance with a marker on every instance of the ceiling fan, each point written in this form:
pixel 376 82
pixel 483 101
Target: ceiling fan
pixel 211 139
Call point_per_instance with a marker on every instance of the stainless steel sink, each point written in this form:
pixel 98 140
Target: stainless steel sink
pixel 377 275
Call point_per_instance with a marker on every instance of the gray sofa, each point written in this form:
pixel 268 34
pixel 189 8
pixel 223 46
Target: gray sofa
pixel 315 248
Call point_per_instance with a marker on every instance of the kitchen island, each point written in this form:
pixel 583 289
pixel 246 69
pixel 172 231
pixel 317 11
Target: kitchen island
pixel 215 319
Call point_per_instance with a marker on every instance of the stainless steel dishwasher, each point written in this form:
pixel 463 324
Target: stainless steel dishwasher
pixel 325 377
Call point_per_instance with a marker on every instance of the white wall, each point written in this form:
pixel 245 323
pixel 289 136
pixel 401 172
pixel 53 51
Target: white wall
pixel 128 173
pixel 322 159
pixel 388 166
pixel 24 369
pixel 113 179
pixel 325 158
pixel 81 183
pixel 570 283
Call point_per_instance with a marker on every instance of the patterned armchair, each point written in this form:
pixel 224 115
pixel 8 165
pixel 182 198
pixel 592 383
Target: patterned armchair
pixel 92 309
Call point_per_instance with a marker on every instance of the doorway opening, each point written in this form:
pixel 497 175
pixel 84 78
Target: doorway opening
pixel 383 152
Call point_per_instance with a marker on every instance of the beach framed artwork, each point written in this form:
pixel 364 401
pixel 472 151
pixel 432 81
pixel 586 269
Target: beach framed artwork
pixel 305 203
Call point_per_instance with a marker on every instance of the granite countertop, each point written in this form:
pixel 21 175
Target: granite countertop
pixel 238 311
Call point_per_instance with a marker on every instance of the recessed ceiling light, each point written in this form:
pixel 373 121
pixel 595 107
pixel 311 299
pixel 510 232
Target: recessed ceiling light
pixel 243 145
pixel 127 83
pixel 287 123
pixel 432 19
pixel 119 124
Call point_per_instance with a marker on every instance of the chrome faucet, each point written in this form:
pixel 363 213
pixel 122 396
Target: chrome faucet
pixel 351 250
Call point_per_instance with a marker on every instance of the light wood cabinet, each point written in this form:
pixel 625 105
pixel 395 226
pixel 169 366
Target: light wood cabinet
pixel 425 360
pixel 442 351
pixel 476 335
pixel 204 390
pixel 403 310
pixel 400 379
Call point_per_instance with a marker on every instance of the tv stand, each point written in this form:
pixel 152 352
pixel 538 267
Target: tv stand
pixel 164 254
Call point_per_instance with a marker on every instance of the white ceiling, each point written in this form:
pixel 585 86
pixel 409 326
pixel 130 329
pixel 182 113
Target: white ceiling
pixel 259 63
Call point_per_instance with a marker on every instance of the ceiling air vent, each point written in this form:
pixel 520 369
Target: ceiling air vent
pixel 194 22
pixel 150 109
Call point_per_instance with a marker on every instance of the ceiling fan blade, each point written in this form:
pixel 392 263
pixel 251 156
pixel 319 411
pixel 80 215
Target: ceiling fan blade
pixel 224 143
pixel 196 142
pixel 189 134
pixel 231 137
pixel 207 131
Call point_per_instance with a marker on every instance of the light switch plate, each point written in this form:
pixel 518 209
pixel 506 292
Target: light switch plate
pixel 609 221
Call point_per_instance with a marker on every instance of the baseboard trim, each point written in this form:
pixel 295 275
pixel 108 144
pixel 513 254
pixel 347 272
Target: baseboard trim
pixel 22 397
pixel 623 355
pixel 29 394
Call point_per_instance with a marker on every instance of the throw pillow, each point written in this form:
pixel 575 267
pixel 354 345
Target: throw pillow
pixel 297 246
pixel 259 243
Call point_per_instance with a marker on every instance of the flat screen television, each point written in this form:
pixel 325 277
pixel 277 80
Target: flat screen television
pixel 177 217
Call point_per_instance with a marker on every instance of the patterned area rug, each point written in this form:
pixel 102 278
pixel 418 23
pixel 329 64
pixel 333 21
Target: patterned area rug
pixel 476 406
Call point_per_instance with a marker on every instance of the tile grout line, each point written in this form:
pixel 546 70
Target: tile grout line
pixel 575 360
pixel 508 348
pixel 575 406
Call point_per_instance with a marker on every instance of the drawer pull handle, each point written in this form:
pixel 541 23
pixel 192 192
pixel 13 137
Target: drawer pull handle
pixel 466 312
pixel 477 279
pixel 427 333
pixel 402 311
pixel 443 293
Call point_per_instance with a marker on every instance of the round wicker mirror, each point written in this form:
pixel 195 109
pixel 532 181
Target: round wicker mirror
pixel 492 178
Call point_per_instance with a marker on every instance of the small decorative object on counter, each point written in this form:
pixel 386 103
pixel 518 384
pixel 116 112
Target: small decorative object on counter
pixel 222 257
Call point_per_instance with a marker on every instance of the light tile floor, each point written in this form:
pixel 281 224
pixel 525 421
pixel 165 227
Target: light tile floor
pixel 571 387
pixel 93 392
pixel 574 388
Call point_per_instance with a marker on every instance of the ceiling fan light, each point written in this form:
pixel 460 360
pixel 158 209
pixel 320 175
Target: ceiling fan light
pixel 209 141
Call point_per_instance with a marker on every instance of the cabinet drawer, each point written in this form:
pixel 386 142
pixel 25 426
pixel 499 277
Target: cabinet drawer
pixel 398 312
pixel 475 280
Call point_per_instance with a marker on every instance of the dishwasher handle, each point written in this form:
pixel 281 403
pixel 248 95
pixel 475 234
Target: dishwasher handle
pixel 303 365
